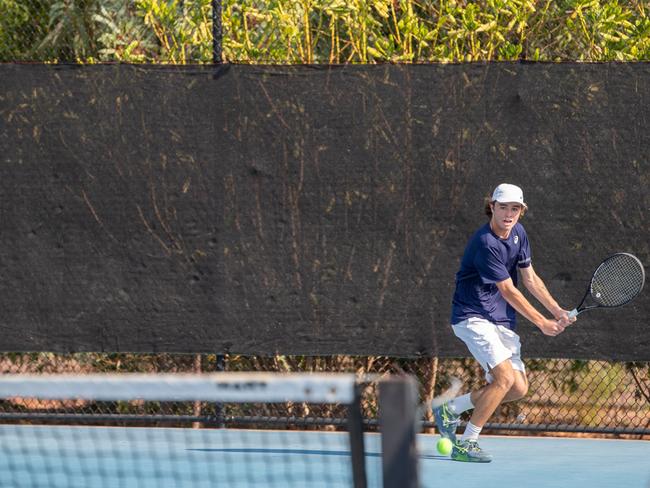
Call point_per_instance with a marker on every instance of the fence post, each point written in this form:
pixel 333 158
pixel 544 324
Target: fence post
pixel 219 408
pixel 217 32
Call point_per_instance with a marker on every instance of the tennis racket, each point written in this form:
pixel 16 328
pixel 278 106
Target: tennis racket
pixel 616 281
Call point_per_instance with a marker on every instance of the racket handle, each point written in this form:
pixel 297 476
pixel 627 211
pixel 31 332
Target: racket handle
pixel 573 313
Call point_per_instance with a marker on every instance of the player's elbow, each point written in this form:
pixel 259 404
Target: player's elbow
pixel 507 288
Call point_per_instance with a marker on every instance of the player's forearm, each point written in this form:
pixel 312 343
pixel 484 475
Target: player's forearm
pixel 537 287
pixel 519 302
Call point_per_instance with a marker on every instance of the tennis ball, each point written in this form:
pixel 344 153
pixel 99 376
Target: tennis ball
pixel 444 446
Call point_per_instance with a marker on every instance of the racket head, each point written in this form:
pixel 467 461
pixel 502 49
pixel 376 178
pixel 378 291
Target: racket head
pixel 617 280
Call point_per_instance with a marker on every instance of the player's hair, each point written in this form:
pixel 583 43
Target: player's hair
pixel 488 207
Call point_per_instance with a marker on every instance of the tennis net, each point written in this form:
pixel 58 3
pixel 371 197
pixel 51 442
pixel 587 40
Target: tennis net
pixel 71 453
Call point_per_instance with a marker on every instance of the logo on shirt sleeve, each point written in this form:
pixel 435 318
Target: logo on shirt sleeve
pixel 516 239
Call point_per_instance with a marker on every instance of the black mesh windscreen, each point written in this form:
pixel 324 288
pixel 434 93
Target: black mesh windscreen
pixel 308 209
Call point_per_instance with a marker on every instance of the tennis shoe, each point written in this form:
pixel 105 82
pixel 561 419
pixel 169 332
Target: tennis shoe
pixel 446 422
pixel 469 452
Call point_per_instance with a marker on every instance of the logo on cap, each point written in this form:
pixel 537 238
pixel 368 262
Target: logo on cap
pixel 505 193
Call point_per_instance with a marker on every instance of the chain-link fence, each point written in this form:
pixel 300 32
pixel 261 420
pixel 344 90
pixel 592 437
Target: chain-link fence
pixel 565 395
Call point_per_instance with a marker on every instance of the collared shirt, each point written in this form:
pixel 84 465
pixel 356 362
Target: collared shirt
pixel 487 260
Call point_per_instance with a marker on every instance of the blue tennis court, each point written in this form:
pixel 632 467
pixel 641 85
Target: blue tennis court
pixel 148 457
pixel 542 462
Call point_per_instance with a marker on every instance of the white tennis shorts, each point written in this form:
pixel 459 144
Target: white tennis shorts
pixel 490 344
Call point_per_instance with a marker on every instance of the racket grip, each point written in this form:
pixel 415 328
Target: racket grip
pixel 573 313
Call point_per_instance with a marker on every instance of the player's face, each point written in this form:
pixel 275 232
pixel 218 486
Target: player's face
pixel 504 217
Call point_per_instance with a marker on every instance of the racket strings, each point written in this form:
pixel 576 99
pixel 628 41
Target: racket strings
pixel 617 281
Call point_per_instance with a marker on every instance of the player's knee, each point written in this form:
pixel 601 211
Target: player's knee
pixel 505 380
pixel 519 390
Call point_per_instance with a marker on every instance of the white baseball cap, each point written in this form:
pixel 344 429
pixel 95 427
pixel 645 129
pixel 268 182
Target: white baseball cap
pixel 507 193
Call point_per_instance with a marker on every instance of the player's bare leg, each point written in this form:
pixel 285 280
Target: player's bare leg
pixel 507 385
pixel 487 399
pixel 517 391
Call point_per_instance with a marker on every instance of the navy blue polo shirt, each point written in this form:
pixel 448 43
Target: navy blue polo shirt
pixel 487 260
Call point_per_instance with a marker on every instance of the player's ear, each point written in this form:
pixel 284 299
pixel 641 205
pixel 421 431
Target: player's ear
pixel 489 206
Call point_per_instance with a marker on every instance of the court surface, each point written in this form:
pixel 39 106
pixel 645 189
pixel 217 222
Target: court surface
pixel 70 456
pixel 542 462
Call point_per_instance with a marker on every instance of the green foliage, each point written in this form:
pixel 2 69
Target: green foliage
pixel 597 389
pixel 124 36
pixel 173 31
pixel 183 29
pixel 594 31
pixel 366 31
pixel 326 31
pixel 71 30
pixel 63 30
pixel 22 23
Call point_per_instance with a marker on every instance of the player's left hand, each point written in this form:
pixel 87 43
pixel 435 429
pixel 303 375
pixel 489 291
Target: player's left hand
pixel 562 316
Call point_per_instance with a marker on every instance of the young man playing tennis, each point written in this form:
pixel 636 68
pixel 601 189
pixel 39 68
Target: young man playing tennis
pixel 483 316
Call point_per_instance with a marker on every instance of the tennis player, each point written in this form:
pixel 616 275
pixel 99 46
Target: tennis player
pixel 483 316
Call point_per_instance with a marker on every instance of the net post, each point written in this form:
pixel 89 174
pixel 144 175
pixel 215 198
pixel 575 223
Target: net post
pixel 355 431
pixel 398 407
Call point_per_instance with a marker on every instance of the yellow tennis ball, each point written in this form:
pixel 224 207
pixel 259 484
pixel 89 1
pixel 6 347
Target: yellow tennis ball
pixel 444 446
